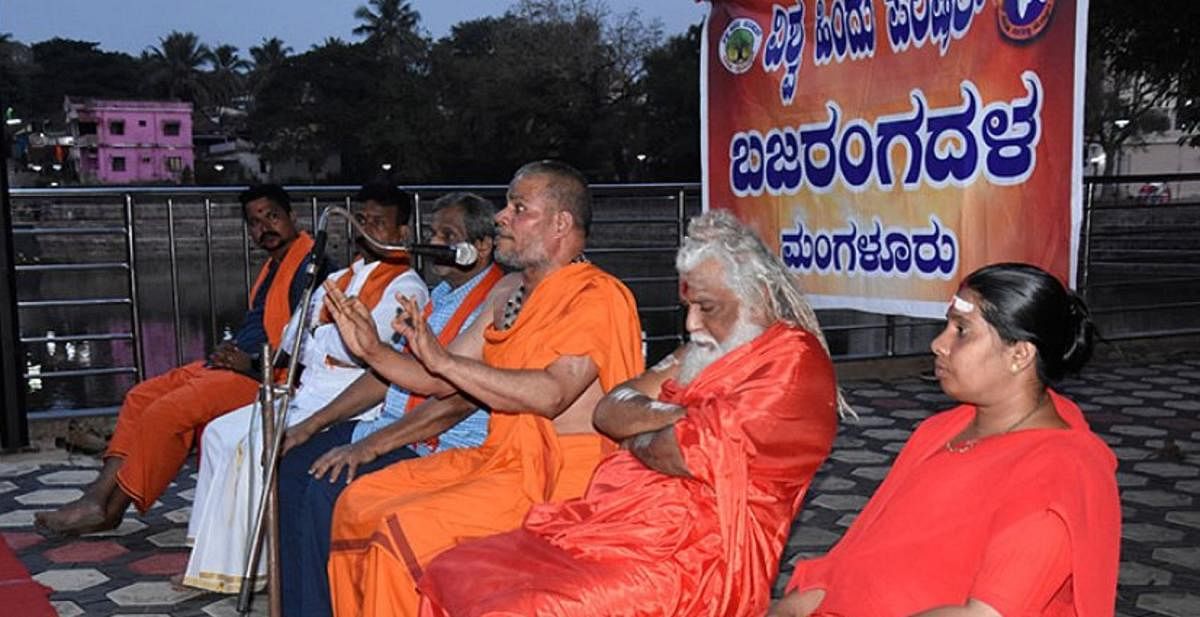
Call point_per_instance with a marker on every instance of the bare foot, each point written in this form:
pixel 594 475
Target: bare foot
pixel 84 515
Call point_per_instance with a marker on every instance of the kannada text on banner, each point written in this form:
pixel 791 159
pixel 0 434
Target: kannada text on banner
pixel 887 148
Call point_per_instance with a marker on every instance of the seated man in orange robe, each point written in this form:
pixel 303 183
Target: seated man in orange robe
pixel 1005 505
pixel 158 419
pixel 559 333
pixel 721 441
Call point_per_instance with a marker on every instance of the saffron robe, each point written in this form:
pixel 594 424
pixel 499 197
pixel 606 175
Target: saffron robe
pixel 934 533
pixel 158 418
pixel 231 473
pixel 389 524
pixel 760 421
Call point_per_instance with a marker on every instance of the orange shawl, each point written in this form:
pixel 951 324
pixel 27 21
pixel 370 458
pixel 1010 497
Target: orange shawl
pixel 918 545
pixel 277 309
pixel 759 423
pixel 578 310
pixel 372 290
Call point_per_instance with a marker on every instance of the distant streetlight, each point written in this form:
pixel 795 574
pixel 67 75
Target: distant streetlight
pixel 12 121
pixel 219 167
pixel 35 167
pixel 1122 123
pixel 386 166
pixel 53 184
pixel 642 157
pixel 56 167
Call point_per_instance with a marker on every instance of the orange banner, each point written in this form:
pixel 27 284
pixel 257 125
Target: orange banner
pixel 886 148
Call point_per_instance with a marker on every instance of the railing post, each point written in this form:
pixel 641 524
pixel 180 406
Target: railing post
pixel 419 262
pixel 176 324
pixel 246 261
pixel 1085 240
pixel 214 336
pixel 15 431
pixel 135 312
pixel 889 336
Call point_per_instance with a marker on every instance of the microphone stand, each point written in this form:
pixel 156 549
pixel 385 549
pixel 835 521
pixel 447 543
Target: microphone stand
pixel 278 407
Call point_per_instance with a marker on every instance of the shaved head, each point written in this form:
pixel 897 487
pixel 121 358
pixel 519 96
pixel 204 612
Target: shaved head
pixel 567 188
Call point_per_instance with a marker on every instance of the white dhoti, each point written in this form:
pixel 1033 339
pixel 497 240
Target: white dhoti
pixel 231 478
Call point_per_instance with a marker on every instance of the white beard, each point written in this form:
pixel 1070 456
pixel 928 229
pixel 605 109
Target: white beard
pixel 703 349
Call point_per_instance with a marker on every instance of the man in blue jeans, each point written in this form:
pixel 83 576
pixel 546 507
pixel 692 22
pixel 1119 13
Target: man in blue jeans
pixel 318 449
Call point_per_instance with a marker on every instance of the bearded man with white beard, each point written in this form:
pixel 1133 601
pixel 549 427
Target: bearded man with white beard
pixel 720 442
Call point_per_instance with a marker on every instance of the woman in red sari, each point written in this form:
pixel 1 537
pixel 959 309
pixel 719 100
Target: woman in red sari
pixel 1006 505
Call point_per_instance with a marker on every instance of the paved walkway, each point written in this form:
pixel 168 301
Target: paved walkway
pixel 1148 413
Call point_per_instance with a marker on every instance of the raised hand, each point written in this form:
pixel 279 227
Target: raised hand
pixel 349 457
pixel 422 342
pixel 353 321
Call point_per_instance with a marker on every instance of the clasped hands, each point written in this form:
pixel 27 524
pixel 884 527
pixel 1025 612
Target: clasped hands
pixel 227 356
pixel 357 327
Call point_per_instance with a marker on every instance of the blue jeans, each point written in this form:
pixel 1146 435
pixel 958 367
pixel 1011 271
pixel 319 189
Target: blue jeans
pixel 306 518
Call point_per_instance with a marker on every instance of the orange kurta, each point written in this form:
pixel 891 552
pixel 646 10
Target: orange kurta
pixel 939 529
pixel 759 423
pixel 158 418
pixel 389 524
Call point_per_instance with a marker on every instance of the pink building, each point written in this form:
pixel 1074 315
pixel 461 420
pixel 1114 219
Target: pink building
pixel 130 142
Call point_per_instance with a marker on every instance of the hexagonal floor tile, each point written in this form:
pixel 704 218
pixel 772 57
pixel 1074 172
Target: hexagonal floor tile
pixel 858 457
pixel 66 608
pixel 1134 573
pixel 49 497
pixel 228 607
pixel 187 495
pixel 179 515
pixel 175 537
pixel 161 564
pixel 1146 532
pixel 7 487
pixel 69 477
pixel 12 470
pixel 85 552
pixel 74 579
pixel 158 593
pixel 1168 470
pixel 1157 499
pixel 840 502
pixel 17 518
pixel 1171 604
pixel 1186 556
pixel 20 540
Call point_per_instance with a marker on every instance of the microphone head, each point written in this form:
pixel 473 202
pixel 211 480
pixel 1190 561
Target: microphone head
pixel 465 254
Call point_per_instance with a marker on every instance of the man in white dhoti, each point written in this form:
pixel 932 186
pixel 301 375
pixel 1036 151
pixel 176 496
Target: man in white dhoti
pixel 230 481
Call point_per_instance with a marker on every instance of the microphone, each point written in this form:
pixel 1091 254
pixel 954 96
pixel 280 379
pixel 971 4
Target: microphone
pixel 461 254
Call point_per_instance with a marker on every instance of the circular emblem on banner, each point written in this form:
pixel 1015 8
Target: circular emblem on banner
pixel 1023 20
pixel 739 44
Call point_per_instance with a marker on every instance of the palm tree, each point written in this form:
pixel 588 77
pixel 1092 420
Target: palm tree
pixel 392 24
pixel 177 62
pixel 269 55
pixel 227 76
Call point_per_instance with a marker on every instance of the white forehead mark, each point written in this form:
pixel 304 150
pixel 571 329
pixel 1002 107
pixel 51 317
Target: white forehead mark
pixel 664 407
pixel 623 393
pixel 961 305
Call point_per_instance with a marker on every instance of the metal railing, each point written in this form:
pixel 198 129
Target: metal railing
pixel 636 231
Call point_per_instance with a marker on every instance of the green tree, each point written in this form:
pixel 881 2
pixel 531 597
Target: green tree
pixel 671 112
pixel 64 67
pixel 390 26
pixel 176 66
pixel 268 57
pixel 1155 47
pixel 548 79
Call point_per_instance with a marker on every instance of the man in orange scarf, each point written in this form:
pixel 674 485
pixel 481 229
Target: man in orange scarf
pixel 229 484
pixel 558 335
pixel 721 440
pixel 159 416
